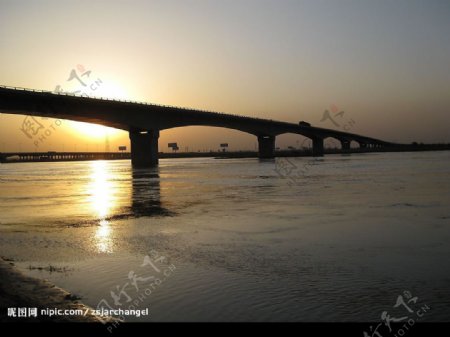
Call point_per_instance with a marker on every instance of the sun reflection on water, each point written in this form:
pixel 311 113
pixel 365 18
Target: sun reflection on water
pixel 103 237
pixel 102 202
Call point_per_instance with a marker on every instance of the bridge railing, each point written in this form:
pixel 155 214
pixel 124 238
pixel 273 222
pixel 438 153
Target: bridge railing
pixel 133 102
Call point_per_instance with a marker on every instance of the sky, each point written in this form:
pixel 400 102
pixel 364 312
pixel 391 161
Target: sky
pixel 384 64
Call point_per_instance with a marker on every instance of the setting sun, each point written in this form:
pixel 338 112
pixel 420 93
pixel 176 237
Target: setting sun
pixel 95 131
pixel 109 88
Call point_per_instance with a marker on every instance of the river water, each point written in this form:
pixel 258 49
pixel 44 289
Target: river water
pixel 339 238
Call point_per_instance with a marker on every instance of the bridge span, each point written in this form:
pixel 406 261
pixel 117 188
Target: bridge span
pixel 144 121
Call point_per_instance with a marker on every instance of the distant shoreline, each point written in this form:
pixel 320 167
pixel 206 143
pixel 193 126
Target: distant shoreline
pixel 53 156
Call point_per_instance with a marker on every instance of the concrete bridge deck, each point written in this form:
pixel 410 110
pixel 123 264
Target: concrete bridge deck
pixel 144 121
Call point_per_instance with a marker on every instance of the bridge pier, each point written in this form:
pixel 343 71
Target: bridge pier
pixel 266 146
pixel 144 148
pixel 317 149
pixel 345 145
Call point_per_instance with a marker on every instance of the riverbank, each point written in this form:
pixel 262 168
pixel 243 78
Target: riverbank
pixel 52 156
pixel 20 291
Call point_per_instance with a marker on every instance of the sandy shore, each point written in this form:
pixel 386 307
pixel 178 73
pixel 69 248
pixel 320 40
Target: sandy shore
pixel 20 291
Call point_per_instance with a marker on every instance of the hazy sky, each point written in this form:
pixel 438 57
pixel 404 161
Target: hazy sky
pixel 386 64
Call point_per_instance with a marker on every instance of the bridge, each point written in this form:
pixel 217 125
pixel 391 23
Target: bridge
pixel 60 156
pixel 144 121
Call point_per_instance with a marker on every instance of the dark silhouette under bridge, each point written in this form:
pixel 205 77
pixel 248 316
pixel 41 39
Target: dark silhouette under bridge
pixel 144 121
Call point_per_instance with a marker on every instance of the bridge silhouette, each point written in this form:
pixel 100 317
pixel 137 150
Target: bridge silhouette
pixel 144 121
